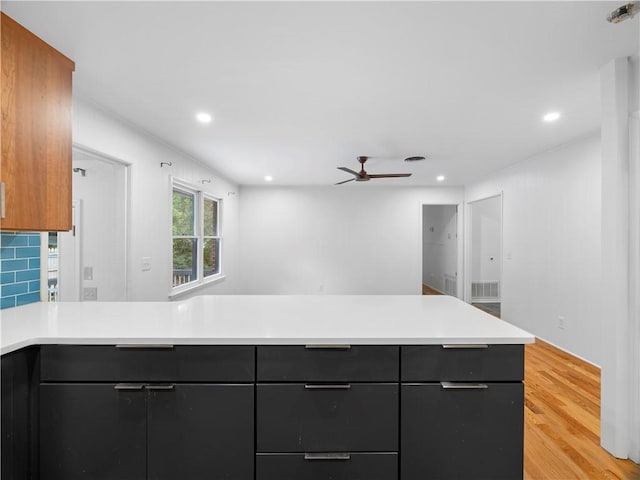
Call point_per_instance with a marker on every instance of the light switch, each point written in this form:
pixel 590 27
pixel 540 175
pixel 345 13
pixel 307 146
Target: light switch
pixel 88 273
pixel 145 264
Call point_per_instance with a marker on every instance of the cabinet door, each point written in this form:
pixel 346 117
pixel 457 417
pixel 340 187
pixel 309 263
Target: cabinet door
pixel 18 399
pixel 462 432
pixel 92 432
pixel 36 132
pixel 200 431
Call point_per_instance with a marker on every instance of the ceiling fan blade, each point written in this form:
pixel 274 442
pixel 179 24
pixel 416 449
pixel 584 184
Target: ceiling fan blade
pixel 350 180
pixel 389 175
pixel 348 170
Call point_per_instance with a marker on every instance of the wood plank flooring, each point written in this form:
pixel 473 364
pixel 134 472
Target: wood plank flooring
pixel 427 290
pixel 562 420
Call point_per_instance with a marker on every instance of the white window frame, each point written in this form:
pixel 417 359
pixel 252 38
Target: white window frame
pixel 199 199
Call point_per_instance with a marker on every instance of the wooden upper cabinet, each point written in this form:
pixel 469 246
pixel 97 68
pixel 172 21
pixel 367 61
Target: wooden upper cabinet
pixel 36 132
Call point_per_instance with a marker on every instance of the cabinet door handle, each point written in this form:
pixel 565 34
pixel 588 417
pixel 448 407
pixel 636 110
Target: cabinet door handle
pixel 328 347
pixel 324 386
pixel 463 386
pixel 327 456
pixel 157 346
pixel 128 386
pixel 464 346
pixel 160 387
pixel 2 202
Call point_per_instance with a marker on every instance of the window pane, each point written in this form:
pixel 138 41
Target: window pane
pixel 211 256
pixel 185 265
pixel 210 217
pixel 183 213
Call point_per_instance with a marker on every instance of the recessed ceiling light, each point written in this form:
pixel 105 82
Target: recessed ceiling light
pixel 203 117
pixel 440 178
pixel 415 159
pixel 551 116
pixel 268 178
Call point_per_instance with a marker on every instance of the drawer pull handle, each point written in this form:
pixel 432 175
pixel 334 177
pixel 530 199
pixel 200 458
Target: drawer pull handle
pixel 328 347
pixel 464 346
pixel 128 386
pixel 160 387
pixel 340 386
pixel 157 346
pixel 327 456
pixel 463 386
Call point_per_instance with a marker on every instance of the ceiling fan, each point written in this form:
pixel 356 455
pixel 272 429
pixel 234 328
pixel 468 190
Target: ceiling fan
pixel 363 176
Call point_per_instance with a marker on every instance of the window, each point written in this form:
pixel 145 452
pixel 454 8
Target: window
pixel 196 237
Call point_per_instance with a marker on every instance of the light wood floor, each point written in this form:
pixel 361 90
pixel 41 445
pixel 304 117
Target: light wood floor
pixel 562 420
pixel 427 290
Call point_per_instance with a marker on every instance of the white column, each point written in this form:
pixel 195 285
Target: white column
pixel 615 410
pixel 634 288
pixel 620 91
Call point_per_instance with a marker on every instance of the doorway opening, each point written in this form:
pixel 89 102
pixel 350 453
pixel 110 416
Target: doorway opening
pixel 441 243
pixel 485 254
pixel 92 257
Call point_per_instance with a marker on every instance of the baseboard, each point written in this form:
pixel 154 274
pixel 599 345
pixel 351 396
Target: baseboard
pixel 570 353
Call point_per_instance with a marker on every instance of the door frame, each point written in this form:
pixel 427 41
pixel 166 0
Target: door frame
pixel 469 243
pixel 460 283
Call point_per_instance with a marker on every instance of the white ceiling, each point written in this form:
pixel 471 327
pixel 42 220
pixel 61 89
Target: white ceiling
pixel 299 88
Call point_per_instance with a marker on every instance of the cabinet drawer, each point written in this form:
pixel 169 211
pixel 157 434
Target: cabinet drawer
pixel 109 363
pixel 464 431
pixel 328 363
pixel 352 466
pixel 462 363
pixel 327 418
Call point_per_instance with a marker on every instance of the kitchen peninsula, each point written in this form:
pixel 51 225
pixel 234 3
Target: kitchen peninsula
pixel 262 387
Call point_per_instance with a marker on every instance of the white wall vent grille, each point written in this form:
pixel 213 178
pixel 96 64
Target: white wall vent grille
pixel 485 291
pixel 450 285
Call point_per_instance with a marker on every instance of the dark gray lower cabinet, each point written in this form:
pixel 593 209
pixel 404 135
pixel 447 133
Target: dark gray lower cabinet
pixel 462 431
pixel 315 413
pixel 19 372
pixel 353 466
pixel 138 432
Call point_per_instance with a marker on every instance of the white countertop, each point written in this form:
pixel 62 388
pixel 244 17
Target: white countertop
pixel 258 320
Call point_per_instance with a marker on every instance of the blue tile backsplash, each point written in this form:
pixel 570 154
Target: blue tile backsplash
pixel 20 269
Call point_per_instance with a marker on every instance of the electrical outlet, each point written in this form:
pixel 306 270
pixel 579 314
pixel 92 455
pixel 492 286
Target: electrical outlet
pixel 90 294
pixel 561 322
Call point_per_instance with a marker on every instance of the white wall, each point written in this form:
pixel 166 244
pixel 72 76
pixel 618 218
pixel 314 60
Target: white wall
pixel 357 239
pixel 486 233
pixel 551 244
pixel 149 201
pixel 440 246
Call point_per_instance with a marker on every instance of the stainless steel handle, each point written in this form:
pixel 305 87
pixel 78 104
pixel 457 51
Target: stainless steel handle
pixel 143 345
pixel 328 347
pixel 463 386
pixel 2 203
pixel 160 387
pixel 465 346
pixel 320 386
pixel 128 386
pixel 327 456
